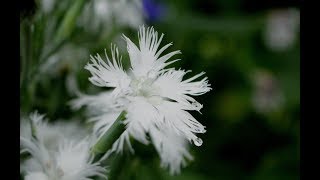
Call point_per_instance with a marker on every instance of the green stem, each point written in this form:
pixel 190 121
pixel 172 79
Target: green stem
pixel 106 141
pixel 69 21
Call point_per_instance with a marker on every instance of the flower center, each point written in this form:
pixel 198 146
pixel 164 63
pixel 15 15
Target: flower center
pixel 142 87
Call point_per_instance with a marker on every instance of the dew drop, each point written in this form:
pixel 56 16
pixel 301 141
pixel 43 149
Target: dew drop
pixel 198 130
pixel 197 141
pixel 196 105
pixel 203 131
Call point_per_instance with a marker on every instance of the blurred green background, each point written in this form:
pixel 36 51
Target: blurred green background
pixel 250 52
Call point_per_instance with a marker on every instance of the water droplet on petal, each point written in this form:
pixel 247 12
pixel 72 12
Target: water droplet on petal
pixel 198 130
pixel 197 141
pixel 203 131
pixel 196 105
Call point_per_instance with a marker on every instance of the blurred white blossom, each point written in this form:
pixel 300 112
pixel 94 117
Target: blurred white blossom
pixel 157 100
pixel 71 161
pixel 59 151
pixel 282 28
pixel 47 5
pixel 113 13
pixel 69 57
pixel 267 96
pixel 51 134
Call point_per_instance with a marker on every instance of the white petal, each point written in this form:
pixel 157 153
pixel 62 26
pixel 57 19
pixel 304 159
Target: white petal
pixel 172 149
pixel 121 143
pixel 100 103
pixel 92 101
pixel 30 165
pixel 36 176
pixel 36 117
pixel 181 121
pixel 50 134
pixel 72 157
pixel 75 162
pixel 37 150
pixel 25 129
pixel 171 85
pixel 109 73
pixel 142 117
pixel 103 122
pixel 146 61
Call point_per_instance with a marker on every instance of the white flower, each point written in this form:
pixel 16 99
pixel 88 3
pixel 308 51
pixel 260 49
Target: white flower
pixel 282 28
pixel 112 13
pixel 72 161
pixel 51 134
pixel 127 12
pixel 155 99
